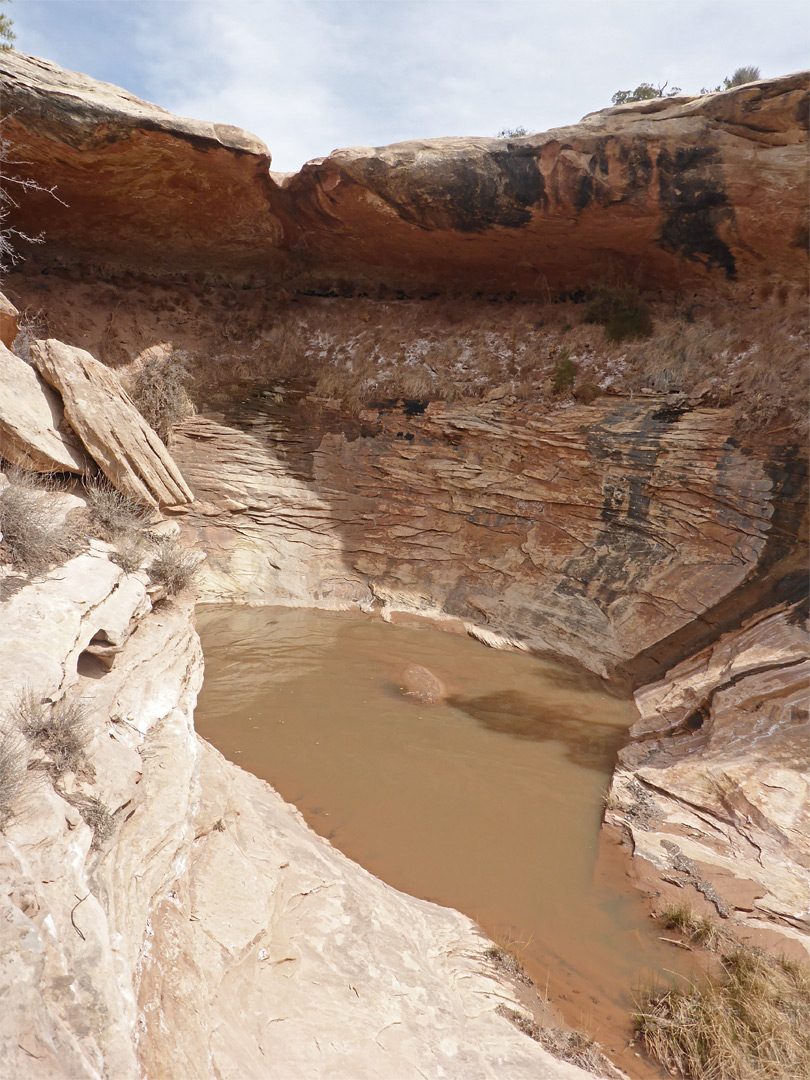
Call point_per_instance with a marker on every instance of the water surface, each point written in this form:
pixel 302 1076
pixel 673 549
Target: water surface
pixel 490 801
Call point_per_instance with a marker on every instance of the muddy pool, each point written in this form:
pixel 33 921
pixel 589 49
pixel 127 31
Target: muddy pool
pixel 489 802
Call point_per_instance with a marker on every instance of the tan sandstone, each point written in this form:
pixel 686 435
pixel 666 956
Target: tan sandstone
pixel 33 431
pixel 130 454
pixel 717 775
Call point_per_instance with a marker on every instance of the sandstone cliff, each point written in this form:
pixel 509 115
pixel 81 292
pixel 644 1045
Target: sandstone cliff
pixel 643 532
pixel 667 192
pixel 714 786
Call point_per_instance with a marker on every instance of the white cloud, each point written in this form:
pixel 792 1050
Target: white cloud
pixel 311 75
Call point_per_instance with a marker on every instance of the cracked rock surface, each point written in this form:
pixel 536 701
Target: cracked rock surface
pixel 714 786
pixel 591 533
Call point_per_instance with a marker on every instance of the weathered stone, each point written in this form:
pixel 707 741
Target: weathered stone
pixel 8 321
pixel 129 453
pixel 422 685
pixel 714 786
pixel 668 191
pixel 176 168
pixel 205 930
pixel 592 532
pixel 33 432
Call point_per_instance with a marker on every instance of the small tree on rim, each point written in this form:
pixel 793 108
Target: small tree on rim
pixel 7 35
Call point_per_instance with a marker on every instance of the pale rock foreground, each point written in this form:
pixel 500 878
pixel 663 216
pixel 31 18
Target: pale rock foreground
pixel 33 432
pixel 211 934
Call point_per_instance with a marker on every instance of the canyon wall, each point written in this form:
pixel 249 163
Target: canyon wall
pixel 592 533
pixel 639 533
pixel 664 192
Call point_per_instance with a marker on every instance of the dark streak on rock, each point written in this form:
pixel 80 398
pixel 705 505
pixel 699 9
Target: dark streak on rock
pixel 695 205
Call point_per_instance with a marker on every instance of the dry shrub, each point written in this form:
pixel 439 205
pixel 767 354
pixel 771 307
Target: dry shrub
pixel 173 566
pixel 571 1046
pixel 31 327
pixel 509 955
pixel 750 1022
pixel 564 373
pixel 96 816
pixel 33 538
pixel 13 772
pixel 131 551
pixel 586 392
pixel 697 928
pixel 159 389
pixel 61 732
pixel 115 514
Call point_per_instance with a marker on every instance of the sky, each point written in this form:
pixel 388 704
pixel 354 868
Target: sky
pixel 308 76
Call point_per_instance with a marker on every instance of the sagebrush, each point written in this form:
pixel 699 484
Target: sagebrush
pixel 34 538
pixel 173 566
pixel 61 732
pixel 159 389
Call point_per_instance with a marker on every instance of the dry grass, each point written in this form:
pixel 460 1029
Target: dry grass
pixel 749 1022
pixel 97 816
pixel 33 538
pixel 173 566
pixel 131 551
pixel 32 326
pixel 570 1046
pixel 752 348
pixel 509 955
pixel 696 928
pixel 13 773
pixel 60 732
pixel 159 389
pixel 115 514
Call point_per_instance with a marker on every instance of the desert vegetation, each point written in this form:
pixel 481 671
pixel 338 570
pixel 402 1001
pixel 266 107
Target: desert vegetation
pixel 159 389
pixel 746 1018
pixel 57 734
pixel 358 353
pixel 34 535
pixel 173 566
pixel 13 772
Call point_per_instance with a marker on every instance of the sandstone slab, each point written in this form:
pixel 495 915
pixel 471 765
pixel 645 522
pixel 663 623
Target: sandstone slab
pixel 33 431
pixel 129 452
pixel 8 321
pixel 714 785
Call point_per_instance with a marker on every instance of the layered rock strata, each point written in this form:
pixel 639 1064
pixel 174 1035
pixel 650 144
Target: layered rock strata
pixel 713 789
pixel 129 452
pixel 165 914
pixel 33 431
pixel 668 192
pixel 590 533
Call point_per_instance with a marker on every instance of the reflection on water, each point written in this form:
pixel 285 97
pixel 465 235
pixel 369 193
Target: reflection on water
pixel 442 801
pixel 587 742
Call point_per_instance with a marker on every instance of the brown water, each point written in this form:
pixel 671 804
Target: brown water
pixel 489 802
